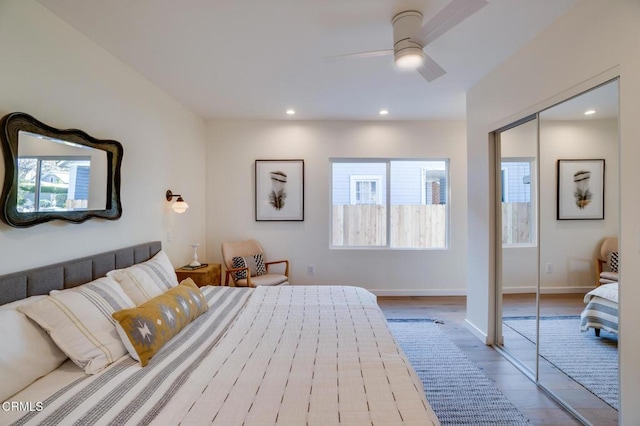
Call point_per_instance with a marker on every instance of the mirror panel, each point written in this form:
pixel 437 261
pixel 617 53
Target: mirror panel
pixel 574 364
pixel 517 189
pixel 57 174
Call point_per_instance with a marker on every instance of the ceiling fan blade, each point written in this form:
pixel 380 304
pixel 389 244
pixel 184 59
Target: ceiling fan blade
pixel 450 16
pixel 430 69
pixel 369 54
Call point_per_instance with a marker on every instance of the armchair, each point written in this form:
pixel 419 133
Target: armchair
pixel 607 262
pixel 246 267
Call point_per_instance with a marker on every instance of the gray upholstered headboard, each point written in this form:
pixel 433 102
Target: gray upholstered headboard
pixel 20 285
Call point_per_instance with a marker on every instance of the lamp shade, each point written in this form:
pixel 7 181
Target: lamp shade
pixel 180 206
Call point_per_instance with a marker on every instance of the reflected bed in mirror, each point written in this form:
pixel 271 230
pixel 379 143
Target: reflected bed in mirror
pixel 57 174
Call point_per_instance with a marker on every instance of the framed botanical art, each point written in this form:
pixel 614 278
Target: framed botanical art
pixel 580 189
pixel 279 190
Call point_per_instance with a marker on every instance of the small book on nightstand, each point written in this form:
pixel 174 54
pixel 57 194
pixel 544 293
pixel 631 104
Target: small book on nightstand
pixel 193 268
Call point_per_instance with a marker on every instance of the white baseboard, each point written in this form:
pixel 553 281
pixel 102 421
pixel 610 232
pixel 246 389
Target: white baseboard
pixel 477 332
pixel 461 292
pixel 565 290
pixel 434 292
pixel 518 290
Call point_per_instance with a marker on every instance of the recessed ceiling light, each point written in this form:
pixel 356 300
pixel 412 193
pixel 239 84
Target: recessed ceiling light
pixel 290 112
pixel 384 112
pixel 591 111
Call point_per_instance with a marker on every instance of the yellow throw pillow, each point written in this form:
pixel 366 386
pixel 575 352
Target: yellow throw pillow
pixel 146 328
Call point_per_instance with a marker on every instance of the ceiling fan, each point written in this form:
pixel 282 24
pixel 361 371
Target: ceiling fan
pixel 410 36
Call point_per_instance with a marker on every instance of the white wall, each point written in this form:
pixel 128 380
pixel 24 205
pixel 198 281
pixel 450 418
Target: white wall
pixel 591 43
pixel 233 148
pixel 52 72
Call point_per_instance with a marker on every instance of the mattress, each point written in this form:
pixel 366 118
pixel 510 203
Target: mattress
pixel 270 355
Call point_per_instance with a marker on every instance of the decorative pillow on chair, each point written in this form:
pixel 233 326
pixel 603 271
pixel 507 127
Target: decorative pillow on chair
pixel 613 261
pixel 144 330
pixel 146 280
pixel 79 322
pixel 255 264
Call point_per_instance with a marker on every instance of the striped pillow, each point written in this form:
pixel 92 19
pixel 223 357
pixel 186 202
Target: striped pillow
pixel 80 323
pixel 146 280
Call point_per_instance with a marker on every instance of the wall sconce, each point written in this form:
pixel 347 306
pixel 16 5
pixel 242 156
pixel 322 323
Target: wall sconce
pixel 180 206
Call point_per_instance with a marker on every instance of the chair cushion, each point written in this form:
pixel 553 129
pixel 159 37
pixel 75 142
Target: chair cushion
pixel 608 277
pixel 255 263
pixel 266 279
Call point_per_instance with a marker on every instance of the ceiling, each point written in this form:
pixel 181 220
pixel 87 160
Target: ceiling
pixel 253 59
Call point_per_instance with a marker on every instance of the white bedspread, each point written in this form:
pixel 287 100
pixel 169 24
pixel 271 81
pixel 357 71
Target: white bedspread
pixel 294 355
pixel 606 291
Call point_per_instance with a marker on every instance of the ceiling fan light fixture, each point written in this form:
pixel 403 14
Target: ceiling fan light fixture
pixel 409 57
pixel 407 51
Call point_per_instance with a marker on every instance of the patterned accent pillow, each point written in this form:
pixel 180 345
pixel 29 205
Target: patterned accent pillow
pixel 613 261
pixel 255 264
pixel 146 280
pixel 79 322
pixel 145 329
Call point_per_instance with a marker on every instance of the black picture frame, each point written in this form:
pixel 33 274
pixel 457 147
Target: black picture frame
pixel 279 190
pixel 580 189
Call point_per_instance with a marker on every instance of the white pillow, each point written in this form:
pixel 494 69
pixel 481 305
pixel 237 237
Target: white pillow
pixel 80 323
pixel 28 352
pixel 146 280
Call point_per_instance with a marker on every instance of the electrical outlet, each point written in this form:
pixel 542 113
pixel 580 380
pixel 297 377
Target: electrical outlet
pixel 169 235
pixel 549 268
pixel 311 270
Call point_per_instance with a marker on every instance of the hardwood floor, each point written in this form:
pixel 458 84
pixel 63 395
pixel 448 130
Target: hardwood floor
pixel 534 403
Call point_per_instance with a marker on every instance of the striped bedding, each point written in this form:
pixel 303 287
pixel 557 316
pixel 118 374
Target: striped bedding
pixel 285 355
pixel 601 312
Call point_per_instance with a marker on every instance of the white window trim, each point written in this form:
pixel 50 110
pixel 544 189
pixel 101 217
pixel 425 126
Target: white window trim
pixel 388 201
pixel 353 179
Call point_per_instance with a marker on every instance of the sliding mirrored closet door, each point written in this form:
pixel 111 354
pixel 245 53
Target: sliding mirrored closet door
pixel 517 182
pixel 574 205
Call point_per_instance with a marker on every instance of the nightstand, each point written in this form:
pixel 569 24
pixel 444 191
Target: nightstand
pixel 209 275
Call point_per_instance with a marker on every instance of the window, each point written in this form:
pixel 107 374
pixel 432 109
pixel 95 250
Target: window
pixel 389 203
pixel 53 183
pixel 517 206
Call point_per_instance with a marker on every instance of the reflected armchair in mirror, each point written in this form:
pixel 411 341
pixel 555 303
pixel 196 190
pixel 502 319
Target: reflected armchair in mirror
pixel 57 174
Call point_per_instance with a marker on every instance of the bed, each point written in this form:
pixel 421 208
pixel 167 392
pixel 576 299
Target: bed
pixel 601 312
pixel 285 355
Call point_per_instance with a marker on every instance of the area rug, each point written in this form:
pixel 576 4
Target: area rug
pixel 589 360
pixel 458 391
